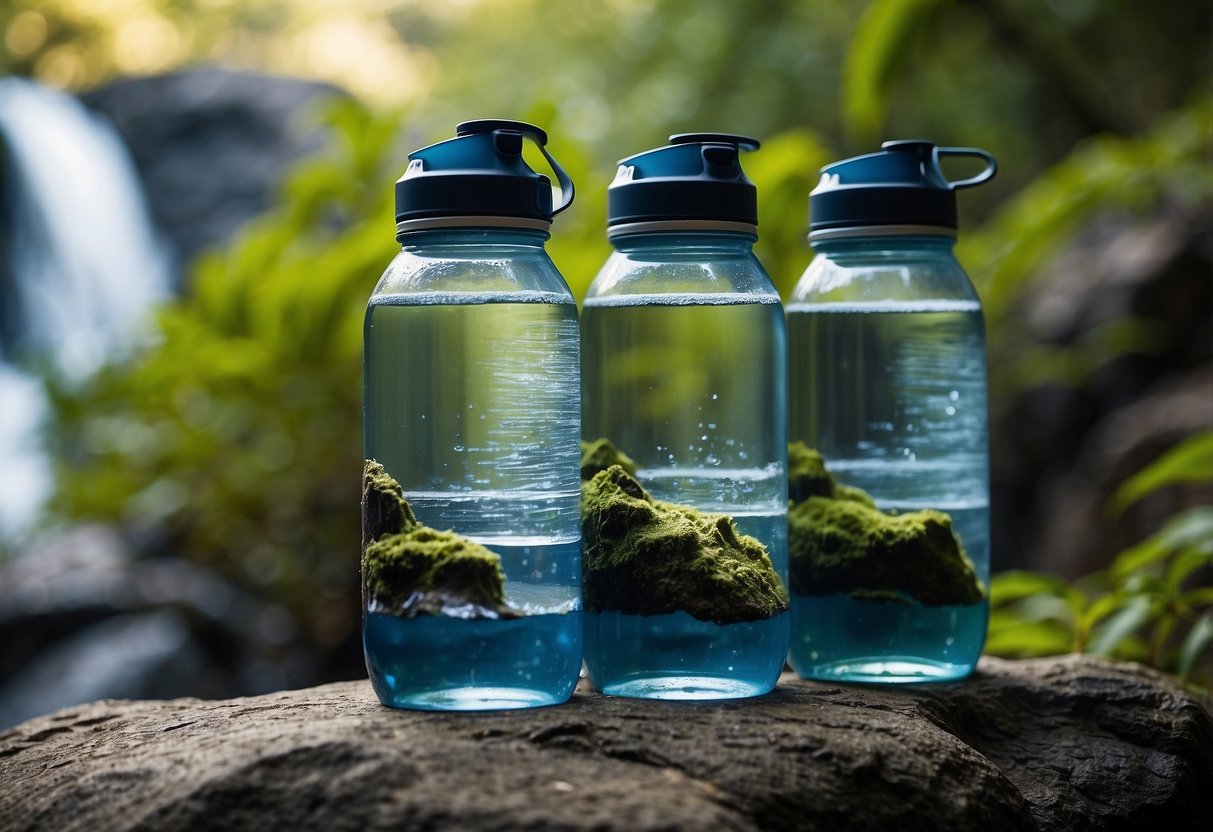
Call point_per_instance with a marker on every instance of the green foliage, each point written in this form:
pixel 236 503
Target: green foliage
pixel 880 50
pixel 1103 173
pixel 234 440
pixel 1191 461
pixel 1153 604
pixel 784 170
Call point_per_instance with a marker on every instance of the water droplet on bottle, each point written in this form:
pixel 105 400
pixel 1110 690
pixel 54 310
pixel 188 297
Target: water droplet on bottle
pixel 954 395
pixel 951 411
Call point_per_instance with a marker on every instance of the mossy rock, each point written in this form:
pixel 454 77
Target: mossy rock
pixel 838 542
pixel 409 569
pixel 808 477
pixel 385 511
pixel 424 570
pixel 647 557
pixel 600 455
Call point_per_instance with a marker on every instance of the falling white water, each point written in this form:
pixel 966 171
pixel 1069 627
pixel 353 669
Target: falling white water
pixel 84 262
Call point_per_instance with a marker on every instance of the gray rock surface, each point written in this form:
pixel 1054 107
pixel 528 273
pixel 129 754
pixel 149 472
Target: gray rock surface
pixel 1069 743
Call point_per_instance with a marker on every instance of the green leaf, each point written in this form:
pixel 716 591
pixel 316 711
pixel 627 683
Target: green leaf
pixel 1015 584
pixel 879 51
pixel 1191 461
pixel 1197 597
pixel 1191 529
pixel 1021 639
pixel 1100 609
pixel 1197 642
pixel 1183 565
pixel 1121 626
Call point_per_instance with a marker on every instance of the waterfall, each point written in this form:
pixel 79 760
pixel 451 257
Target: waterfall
pixel 82 268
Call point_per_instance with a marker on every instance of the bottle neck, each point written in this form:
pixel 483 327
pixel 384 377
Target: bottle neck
pixel 691 245
pixel 890 246
pixel 457 242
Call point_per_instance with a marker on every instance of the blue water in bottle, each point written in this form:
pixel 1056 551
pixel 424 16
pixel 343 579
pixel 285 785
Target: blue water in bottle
pixel 887 379
pixel 472 403
pixel 684 354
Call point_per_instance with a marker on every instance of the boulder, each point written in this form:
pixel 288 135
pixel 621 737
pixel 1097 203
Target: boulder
pixel 1065 743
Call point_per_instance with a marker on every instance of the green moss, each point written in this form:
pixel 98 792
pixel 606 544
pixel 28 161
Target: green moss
pixel 840 543
pixel 384 509
pixel 647 557
pixel 600 455
pixel 808 477
pixel 409 569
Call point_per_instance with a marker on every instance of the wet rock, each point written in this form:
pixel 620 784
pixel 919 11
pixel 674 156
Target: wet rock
pixel 409 569
pixel 81 619
pixel 127 656
pixel 600 455
pixel 647 557
pixel 808 477
pixel 839 542
pixel 842 546
pixel 1068 743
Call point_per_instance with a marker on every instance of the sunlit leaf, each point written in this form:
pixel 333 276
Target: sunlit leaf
pixel 1100 609
pixel 1120 626
pixel 1197 597
pixel 1195 646
pixel 1191 529
pixel 886 33
pixel 1183 565
pixel 1191 461
pixel 1015 584
pixel 1023 639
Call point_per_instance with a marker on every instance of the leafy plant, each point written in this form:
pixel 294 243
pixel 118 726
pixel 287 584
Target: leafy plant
pixel 234 439
pixel 1154 604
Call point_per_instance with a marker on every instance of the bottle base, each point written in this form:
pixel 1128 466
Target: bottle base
pixel 677 656
pixel 887 670
pixel 470 699
pixel 443 663
pixel 685 688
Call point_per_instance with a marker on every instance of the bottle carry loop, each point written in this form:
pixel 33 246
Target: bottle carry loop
pixel 538 136
pixel 985 176
pixel 901 186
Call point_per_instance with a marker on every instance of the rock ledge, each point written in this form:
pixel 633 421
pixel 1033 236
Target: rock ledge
pixel 1069 743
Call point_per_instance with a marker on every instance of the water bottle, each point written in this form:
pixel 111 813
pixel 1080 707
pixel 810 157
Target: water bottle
pixel 684 362
pixel 887 383
pixel 471 494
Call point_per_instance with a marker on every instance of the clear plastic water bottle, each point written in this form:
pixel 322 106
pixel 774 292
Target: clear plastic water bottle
pixel 887 381
pixel 684 362
pixel 472 415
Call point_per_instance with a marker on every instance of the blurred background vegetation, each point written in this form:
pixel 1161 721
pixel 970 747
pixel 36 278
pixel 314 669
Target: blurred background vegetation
pixel 234 439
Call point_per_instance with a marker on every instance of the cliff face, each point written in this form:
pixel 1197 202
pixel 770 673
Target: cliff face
pixel 1070 743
